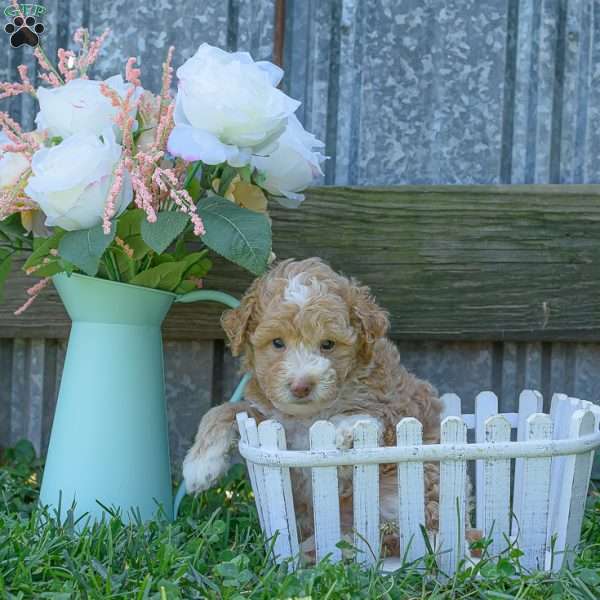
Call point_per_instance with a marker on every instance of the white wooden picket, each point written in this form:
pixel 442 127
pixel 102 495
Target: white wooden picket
pixel 573 492
pixel 530 402
pixel 411 493
pixel 495 497
pixel 486 405
pixel 451 406
pixel 453 482
pixel 326 501
pixel 553 459
pixel 282 517
pixel 531 505
pixel 249 435
pixel 365 492
pixel 561 411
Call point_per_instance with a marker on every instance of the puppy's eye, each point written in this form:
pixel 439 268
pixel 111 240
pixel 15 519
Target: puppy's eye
pixel 278 343
pixel 327 345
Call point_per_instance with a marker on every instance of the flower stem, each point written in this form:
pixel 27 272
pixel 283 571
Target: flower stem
pixel 108 260
pixel 49 62
pixel 115 266
pixel 192 173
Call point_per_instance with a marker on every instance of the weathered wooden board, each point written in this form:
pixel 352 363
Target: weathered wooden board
pixel 448 262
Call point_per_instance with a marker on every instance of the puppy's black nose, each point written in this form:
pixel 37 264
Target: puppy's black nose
pixel 301 388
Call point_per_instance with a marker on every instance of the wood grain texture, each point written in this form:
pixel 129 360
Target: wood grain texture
pixel 448 262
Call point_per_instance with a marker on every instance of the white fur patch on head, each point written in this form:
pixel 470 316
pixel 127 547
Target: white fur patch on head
pixel 298 292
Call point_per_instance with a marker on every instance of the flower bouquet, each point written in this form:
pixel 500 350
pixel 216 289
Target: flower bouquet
pixel 122 184
pixel 119 196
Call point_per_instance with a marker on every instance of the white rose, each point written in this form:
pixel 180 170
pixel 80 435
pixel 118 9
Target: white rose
pixel 227 107
pixel 79 107
pixel 293 165
pixel 71 180
pixel 12 164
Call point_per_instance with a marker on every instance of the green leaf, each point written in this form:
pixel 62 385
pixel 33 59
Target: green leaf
pixel 197 266
pixel 51 268
pixel 42 248
pixel 129 229
pixel 590 576
pixel 130 222
pixel 84 248
pixel 12 226
pixel 24 452
pixel 259 178
pixel 193 258
pixel 166 276
pixel 160 235
pixel 238 234
pixel 199 269
pixel 245 173
pixel 227 176
pixel 185 286
pixel 5 266
pixel 505 567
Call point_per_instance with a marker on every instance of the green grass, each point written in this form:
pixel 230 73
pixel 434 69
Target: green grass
pixel 214 550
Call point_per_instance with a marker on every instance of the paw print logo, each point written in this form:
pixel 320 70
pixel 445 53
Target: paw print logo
pixel 24 31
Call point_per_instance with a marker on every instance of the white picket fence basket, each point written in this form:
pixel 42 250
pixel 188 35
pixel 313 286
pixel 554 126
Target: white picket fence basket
pixel 552 454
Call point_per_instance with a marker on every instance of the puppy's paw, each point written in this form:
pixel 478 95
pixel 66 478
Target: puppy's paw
pixel 344 438
pixel 202 471
pixel 344 429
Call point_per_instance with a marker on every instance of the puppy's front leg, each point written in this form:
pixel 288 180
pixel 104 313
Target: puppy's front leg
pixel 214 448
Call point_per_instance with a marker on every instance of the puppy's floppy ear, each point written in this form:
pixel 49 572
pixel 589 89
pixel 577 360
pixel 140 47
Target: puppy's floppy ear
pixel 237 321
pixel 370 319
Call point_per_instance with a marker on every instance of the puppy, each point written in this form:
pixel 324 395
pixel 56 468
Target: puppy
pixel 314 342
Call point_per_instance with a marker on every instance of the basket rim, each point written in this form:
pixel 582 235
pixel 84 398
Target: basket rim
pixel 427 452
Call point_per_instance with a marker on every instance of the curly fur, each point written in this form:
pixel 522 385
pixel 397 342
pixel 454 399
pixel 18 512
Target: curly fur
pixel 304 303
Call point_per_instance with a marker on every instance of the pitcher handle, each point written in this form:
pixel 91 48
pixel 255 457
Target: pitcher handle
pixel 231 302
pixel 208 296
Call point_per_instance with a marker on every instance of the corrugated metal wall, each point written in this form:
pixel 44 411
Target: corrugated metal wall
pixel 402 91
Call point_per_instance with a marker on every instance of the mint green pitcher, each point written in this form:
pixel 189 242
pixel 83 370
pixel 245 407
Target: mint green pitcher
pixel 109 445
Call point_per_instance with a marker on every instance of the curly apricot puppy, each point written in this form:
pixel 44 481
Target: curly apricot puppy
pixel 314 342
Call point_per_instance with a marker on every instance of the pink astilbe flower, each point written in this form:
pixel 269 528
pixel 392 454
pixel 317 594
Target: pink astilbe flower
pixel 143 197
pixel 50 74
pixel 13 199
pixel 165 91
pixel 11 203
pixel 111 94
pixel 132 75
pixel 167 76
pixel 14 147
pixel 124 246
pixel 45 261
pixel 27 143
pixel 124 118
pixel 11 128
pixel 33 293
pixel 89 58
pixel 8 89
pixel 66 63
pixel 115 189
pixel 165 124
pixel 166 180
pixel 81 37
